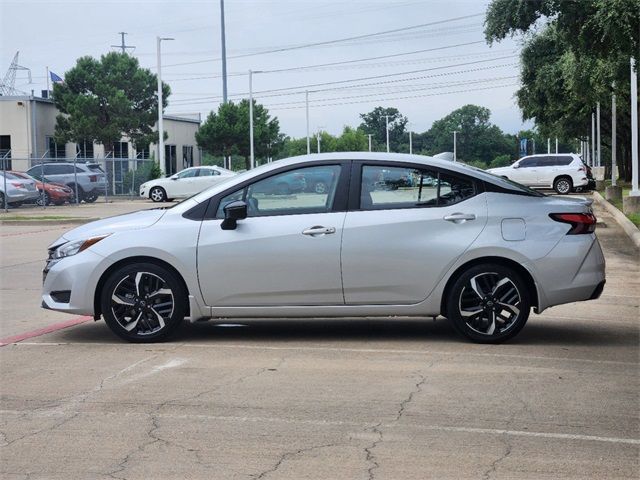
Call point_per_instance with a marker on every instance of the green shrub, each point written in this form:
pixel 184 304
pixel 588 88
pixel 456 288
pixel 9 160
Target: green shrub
pixel 147 170
pixel 500 161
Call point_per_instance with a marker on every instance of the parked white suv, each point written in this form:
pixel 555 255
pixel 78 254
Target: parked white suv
pixel 563 172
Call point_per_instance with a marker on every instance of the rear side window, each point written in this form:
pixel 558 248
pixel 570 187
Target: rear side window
pixel 558 161
pixel 385 187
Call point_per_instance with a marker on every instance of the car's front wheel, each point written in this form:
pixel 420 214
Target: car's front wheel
pixel 143 302
pixel 43 199
pixel 157 194
pixel 489 303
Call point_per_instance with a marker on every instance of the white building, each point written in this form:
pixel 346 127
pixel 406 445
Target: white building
pixel 27 125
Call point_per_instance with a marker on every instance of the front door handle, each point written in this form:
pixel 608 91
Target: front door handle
pixel 318 230
pixel 459 217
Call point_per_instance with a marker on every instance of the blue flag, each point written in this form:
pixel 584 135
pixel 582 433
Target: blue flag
pixel 55 78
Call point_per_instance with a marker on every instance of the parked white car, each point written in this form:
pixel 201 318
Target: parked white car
pixel 184 184
pixel 563 172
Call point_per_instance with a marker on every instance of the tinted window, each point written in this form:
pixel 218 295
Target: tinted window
pixel 385 187
pixel 559 160
pixel 187 173
pixel 207 172
pixel 528 162
pixel 286 193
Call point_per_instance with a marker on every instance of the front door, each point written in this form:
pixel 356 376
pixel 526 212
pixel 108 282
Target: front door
pixel 412 225
pixel 527 171
pixel 286 252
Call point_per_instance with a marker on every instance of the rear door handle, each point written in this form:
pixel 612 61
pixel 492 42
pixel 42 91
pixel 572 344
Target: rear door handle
pixel 459 217
pixel 318 230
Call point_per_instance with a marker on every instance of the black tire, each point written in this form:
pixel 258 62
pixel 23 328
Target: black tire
pixel 2 200
pixel 479 313
pixel 320 188
pixel 73 194
pixel 90 198
pixel 47 200
pixel 563 185
pixel 158 194
pixel 133 317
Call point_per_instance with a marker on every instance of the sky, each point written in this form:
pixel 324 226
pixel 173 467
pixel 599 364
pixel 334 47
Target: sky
pixel 432 61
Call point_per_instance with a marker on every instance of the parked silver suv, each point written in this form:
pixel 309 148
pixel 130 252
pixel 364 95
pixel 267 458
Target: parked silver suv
pixel 90 178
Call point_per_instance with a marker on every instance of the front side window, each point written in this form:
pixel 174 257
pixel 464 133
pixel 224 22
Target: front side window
pixel 528 162
pixel 287 193
pixel 385 187
pixel 187 173
pixel 207 172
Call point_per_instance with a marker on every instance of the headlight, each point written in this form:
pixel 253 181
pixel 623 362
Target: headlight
pixel 71 248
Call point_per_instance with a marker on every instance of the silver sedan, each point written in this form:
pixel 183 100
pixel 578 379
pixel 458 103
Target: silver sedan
pixel 391 235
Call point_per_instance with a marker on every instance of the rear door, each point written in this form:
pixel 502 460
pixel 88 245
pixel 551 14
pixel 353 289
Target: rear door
pixel 400 238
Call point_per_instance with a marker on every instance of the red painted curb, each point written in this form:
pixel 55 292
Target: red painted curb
pixel 41 331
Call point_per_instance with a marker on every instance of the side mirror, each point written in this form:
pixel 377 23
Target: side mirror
pixel 233 212
pixel 516 165
pixel 173 177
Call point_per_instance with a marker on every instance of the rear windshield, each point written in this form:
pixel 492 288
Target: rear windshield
pixel 503 182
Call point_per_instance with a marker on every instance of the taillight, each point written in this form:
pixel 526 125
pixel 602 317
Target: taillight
pixel 580 222
pixel 93 178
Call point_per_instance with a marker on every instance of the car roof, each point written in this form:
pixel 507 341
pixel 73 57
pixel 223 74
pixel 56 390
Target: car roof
pixel 551 155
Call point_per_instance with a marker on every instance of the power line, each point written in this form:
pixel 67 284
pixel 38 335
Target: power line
pixel 331 42
pixel 374 77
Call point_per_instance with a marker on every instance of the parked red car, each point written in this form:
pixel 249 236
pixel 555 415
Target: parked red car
pixel 54 192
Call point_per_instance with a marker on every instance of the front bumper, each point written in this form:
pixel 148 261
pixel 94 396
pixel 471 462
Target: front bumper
pixel 78 275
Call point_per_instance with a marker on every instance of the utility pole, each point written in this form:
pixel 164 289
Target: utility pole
pixel 162 165
pixel 123 46
pixel 318 138
pixel 410 144
pixel 548 145
pixel 634 134
pixel 614 163
pixel 387 117
pixel 556 145
pixel 369 135
pixel 306 96
pixel 223 45
pixel 252 162
pixel 455 146
pixel 593 139
pixel 598 161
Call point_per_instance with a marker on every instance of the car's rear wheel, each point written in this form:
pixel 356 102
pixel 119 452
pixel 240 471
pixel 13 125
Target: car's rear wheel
pixel 157 194
pixel 90 198
pixel 489 303
pixel 43 200
pixel 563 185
pixel 143 302
pixel 73 194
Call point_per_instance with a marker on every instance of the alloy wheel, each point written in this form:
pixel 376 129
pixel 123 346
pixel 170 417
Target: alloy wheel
pixel 563 186
pixel 320 188
pixel 157 194
pixel 142 303
pixel 490 303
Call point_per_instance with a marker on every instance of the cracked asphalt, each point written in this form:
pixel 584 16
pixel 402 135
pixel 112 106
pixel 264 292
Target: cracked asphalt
pixel 319 399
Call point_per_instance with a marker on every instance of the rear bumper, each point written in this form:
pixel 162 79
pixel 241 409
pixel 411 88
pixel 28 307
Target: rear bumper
pixel 573 271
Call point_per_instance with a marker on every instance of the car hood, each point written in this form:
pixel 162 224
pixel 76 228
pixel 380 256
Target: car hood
pixel 119 223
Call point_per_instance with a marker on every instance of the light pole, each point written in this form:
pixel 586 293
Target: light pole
pixel 598 128
pixel 223 45
pixel 306 96
pixel 593 139
pixel 455 147
pixel 548 145
pixel 369 135
pixel 556 145
pixel 634 132
pixel 387 117
pixel 318 138
pixel 252 163
pixel 410 143
pixel 163 168
pixel 614 163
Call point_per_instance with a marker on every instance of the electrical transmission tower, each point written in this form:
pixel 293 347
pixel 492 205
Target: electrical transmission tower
pixel 7 86
pixel 123 46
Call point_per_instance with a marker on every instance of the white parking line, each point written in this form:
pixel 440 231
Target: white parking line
pixel 306 348
pixel 437 428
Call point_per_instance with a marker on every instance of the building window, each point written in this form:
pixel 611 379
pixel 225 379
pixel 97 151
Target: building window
pixel 187 156
pixel 170 160
pixel 85 149
pixel 121 150
pixel 55 150
pixel 5 152
pixel 143 152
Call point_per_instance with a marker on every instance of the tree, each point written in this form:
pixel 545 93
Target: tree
pixel 477 138
pixel 352 140
pixel 226 132
pixel 103 100
pixel 374 123
pixel 570 62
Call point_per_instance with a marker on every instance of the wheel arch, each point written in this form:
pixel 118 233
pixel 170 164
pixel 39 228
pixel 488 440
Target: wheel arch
pixel 128 261
pixel 507 262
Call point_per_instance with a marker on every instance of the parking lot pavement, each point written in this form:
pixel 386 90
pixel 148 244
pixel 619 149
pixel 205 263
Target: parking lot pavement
pixel 348 399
